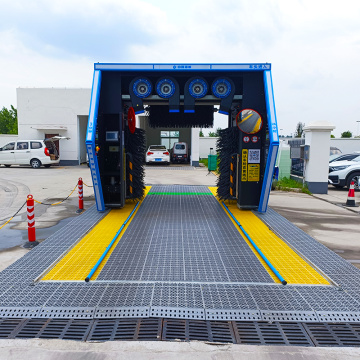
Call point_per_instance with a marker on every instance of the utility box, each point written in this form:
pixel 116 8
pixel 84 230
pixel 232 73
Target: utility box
pixel 212 162
pixel 304 152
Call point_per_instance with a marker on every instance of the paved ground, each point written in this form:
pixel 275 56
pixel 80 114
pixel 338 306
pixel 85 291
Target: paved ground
pixel 324 218
pixel 73 350
pixel 334 226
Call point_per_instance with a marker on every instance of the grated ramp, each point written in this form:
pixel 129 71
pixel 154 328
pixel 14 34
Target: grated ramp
pixel 183 238
pixel 250 302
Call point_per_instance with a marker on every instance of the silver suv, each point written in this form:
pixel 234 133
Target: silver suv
pixel 342 173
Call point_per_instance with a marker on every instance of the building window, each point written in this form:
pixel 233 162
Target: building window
pixel 169 138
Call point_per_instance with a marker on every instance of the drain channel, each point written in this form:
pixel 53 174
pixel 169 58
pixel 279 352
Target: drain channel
pixel 157 329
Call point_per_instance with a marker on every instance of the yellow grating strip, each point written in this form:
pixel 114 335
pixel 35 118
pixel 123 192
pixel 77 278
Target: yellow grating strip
pixel 293 268
pixel 79 261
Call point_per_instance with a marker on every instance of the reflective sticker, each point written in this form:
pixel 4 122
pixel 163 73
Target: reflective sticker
pixel 254 172
pixel 244 164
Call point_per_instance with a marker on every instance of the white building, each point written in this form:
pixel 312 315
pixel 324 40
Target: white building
pixel 46 112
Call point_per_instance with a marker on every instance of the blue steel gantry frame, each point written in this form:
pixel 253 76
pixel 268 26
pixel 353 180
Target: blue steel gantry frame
pixel 176 68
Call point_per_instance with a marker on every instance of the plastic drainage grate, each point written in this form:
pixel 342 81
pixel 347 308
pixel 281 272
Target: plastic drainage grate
pixel 55 329
pixel 324 334
pixel 276 333
pixel 8 327
pixel 126 329
pixel 169 329
pixel 187 330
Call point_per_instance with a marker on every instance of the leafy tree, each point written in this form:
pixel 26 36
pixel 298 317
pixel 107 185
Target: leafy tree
pixel 8 121
pixel 346 134
pixel 201 134
pixel 332 136
pixel 299 130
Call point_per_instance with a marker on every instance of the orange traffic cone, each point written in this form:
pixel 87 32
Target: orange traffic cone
pixel 351 196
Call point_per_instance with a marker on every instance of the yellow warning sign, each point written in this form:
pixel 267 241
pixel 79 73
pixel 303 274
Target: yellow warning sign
pixel 254 172
pixel 244 165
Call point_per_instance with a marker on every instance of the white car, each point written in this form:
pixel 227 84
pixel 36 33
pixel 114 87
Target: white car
pixel 30 152
pixel 157 154
pixel 342 173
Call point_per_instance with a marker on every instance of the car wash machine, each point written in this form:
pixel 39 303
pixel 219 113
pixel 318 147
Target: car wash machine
pixel 182 95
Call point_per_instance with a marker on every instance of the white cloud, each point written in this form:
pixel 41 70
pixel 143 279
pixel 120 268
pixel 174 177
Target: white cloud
pixel 312 45
pixel 22 67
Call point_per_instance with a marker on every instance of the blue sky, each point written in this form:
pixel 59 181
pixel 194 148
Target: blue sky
pixel 313 45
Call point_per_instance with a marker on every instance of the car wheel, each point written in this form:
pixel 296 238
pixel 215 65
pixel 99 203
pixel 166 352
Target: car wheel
pixel 355 177
pixel 47 166
pixel 35 163
pixel 7 165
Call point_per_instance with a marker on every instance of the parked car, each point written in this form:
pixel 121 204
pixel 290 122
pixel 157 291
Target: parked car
pixel 342 173
pixel 157 154
pixel 341 157
pixel 180 152
pixel 30 152
pixel 334 151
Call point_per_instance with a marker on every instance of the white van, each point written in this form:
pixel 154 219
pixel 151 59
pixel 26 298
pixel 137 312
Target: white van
pixel 180 152
pixel 30 152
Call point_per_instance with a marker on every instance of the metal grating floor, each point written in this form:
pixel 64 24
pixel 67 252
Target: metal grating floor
pixel 158 329
pixel 183 238
pixel 206 273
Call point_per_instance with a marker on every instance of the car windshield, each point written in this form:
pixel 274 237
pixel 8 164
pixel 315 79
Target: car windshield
pixel 357 158
pixel 157 147
pixel 334 150
pixel 180 146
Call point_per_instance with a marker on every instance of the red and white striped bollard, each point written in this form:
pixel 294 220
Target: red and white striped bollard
pixel 31 218
pixel 80 191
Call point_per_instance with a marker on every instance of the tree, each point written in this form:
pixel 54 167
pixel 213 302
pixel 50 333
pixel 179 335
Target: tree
pixel 346 134
pixel 332 136
pixel 215 133
pixel 299 130
pixel 8 121
pixel 201 134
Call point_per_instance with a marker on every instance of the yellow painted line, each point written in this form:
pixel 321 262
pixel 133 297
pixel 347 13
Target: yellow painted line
pixel 244 119
pixel 292 267
pixel 79 261
pixel 257 126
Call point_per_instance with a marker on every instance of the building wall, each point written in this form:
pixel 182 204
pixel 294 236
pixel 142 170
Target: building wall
pixel 53 111
pixel 5 139
pixel 205 143
pixel 346 145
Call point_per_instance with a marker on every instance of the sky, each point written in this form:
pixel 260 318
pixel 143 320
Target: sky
pixel 313 46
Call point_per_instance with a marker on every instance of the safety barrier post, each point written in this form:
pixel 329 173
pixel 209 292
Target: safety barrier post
pixel 80 191
pixel 31 222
